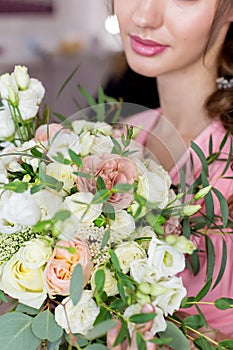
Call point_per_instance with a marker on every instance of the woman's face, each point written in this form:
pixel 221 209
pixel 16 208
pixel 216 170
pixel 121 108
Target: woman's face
pixel 164 36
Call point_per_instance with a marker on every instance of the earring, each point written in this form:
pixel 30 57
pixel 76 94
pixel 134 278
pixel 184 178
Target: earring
pixel 223 83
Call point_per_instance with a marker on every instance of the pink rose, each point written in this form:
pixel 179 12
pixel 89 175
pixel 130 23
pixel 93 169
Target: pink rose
pixel 114 170
pixel 59 269
pixel 45 132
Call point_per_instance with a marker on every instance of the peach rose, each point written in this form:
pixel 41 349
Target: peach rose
pixel 59 269
pixel 50 130
pixel 114 170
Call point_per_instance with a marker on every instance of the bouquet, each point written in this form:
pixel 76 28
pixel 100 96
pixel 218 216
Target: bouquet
pixel 90 231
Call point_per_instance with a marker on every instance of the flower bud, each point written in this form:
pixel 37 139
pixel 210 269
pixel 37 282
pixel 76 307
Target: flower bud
pixel 144 288
pixel 157 289
pixel 189 210
pixel 184 245
pixel 203 192
pixel 142 298
pixel 171 239
pixel 22 77
pixel 13 97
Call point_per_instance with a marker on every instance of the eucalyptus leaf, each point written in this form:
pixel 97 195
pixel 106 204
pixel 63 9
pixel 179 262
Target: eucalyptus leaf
pixel 99 280
pixel 105 238
pixel 142 318
pixel 61 215
pixel 76 284
pixel 75 158
pixel 141 344
pixel 16 186
pixel 3 297
pixel 27 309
pixel 194 321
pixel 100 329
pixel 16 332
pixel 44 326
pixel 226 344
pixel 203 344
pixel 101 196
pixel 96 347
pixel 224 303
pixel 179 340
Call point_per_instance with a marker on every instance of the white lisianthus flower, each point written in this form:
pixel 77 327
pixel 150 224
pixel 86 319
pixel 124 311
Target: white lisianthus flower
pixel 36 86
pixel 110 284
pixel 159 323
pixel 22 209
pixel 49 203
pixel 8 88
pixel 169 301
pixel 22 77
pixel 62 142
pixel 81 317
pixel 35 253
pixel 142 271
pixel 62 172
pixel 101 144
pixel 123 224
pixel 25 148
pixel 155 187
pixel 80 205
pixel 28 104
pixel 7 227
pixel 166 260
pixel 128 252
pixel 7 125
pixel 22 283
pixel 86 141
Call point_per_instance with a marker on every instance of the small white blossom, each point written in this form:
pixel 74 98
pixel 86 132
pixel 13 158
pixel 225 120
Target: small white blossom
pixel 22 77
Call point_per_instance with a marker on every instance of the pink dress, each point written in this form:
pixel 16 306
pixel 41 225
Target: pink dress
pixel 217 319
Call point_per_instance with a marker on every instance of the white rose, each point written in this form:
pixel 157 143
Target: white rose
pixel 155 187
pixel 101 144
pixel 80 126
pixel 170 300
pixel 141 271
pixel 22 209
pixel 22 283
pixel 110 284
pixel 123 224
pixel 81 317
pixel 22 77
pixel 28 104
pixel 36 86
pixel 7 125
pixel 8 87
pixel 86 141
pixel 62 142
pixel 63 173
pixel 166 260
pixel 49 203
pixel 80 205
pixel 35 253
pixel 128 252
pixel 67 229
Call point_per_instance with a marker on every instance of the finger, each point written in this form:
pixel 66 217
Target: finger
pixel 149 346
pixel 112 336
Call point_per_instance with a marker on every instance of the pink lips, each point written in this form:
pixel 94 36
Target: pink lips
pixel 146 47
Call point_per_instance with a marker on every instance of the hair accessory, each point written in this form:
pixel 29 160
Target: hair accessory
pixel 224 83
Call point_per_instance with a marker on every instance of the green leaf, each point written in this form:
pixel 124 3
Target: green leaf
pixel 121 188
pixel 226 344
pixel 26 309
pixel 142 318
pixel 67 80
pixel 200 295
pixel 76 284
pixel 100 329
pixel 223 206
pixel 105 238
pixel 16 186
pixel 116 146
pixel 96 347
pixel 123 334
pixel 99 280
pixel 34 151
pixel 141 344
pixel 229 159
pixel 201 156
pixel 194 321
pixel 75 158
pixel 223 142
pixel 3 297
pixel 36 188
pixel 114 260
pixel 224 303
pixel 100 184
pixel 101 196
pixel 203 344
pixel 209 203
pixel 16 332
pixel 89 99
pixel 195 263
pixel 210 257
pixel 109 211
pixel 223 263
pixel 61 215
pixel 82 174
pixel 211 144
pixel 44 326
pixel 179 340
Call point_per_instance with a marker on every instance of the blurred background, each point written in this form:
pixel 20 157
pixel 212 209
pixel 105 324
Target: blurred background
pixel 53 37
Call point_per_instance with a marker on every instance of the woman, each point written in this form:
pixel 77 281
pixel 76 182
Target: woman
pixel 187 45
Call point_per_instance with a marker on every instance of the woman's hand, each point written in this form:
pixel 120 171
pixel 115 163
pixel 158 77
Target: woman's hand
pixel 144 329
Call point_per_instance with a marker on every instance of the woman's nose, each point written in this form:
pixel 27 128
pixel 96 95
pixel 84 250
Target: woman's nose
pixel 149 13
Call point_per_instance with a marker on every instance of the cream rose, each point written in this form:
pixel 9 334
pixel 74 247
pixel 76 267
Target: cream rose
pixel 128 252
pixel 63 173
pixel 35 253
pixel 110 284
pixel 62 142
pixel 123 225
pixel 79 318
pixel 23 283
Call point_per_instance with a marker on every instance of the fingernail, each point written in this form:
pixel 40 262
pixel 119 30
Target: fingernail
pixel 148 308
